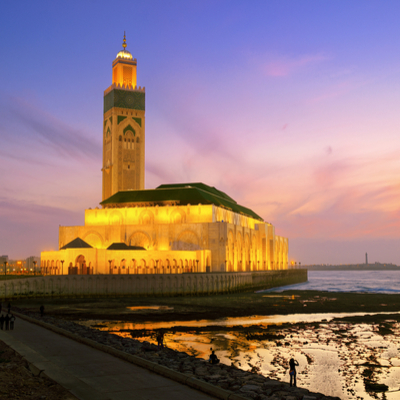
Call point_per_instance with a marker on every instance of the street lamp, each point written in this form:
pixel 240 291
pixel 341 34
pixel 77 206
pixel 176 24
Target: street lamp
pixel 62 267
pixel 34 267
pixel 5 269
pixel 110 261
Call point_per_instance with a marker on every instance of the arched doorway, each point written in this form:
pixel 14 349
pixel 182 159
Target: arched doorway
pixel 80 265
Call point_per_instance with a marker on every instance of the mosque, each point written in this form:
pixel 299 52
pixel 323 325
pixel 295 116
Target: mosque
pixel 172 229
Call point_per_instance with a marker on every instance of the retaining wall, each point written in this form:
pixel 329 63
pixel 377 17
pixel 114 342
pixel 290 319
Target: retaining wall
pixel 149 285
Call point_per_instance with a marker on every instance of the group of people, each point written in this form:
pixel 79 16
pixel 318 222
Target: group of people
pixel 7 321
pixel 213 359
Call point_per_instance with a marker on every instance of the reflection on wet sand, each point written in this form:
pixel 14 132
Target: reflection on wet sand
pixel 158 308
pixel 337 358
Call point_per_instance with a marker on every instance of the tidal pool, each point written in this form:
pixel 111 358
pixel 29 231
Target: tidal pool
pixel 336 358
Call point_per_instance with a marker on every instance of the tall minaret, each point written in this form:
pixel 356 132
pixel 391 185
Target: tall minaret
pixel 123 128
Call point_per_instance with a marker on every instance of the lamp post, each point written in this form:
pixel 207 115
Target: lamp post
pixel 34 267
pixel 5 269
pixel 258 267
pixel 110 261
pixel 197 267
pixel 62 267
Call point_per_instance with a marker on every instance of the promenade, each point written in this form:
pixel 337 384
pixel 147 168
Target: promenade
pixel 88 373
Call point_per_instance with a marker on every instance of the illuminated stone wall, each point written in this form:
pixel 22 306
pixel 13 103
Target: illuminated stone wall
pixel 153 285
pixel 123 141
pixel 186 238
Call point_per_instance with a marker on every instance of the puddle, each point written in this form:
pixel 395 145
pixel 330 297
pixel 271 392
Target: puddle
pixel 336 358
pixel 158 308
pixel 226 322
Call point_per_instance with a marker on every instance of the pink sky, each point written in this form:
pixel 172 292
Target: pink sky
pixel 291 108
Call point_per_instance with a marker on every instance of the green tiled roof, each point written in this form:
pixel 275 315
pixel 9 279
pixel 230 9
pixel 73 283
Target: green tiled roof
pixel 77 243
pixel 123 246
pixel 182 194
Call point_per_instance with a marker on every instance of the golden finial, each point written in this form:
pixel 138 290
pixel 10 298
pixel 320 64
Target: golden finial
pixel 124 42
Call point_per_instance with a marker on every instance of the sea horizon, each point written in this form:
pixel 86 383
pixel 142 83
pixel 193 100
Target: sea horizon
pixel 376 281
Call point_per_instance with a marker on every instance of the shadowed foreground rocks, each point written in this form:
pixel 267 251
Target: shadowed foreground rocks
pixel 243 383
pixel 18 381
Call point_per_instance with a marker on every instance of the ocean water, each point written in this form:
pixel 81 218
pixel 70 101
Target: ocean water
pixel 349 281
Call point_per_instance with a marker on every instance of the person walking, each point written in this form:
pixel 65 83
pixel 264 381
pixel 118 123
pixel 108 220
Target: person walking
pixel 2 321
pixel 12 320
pixel 292 371
pixel 7 322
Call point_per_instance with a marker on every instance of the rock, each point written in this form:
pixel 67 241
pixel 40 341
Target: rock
pixel 250 388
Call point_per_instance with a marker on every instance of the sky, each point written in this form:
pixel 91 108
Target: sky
pixel 290 107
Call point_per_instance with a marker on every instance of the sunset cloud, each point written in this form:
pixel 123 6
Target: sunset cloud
pixel 24 124
pixel 281 66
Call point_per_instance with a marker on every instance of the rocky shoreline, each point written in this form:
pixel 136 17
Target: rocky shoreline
pixel 245 384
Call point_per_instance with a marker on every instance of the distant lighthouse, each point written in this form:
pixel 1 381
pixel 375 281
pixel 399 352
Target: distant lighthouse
pixel 366 258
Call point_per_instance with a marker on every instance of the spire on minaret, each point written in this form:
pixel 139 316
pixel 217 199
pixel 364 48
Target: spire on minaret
pixel 124 42
pixel 124 53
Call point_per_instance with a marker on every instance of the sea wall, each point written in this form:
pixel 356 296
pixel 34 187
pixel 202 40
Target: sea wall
pixel 149 285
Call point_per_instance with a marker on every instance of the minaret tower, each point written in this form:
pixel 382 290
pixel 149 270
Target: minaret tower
pixel 123 128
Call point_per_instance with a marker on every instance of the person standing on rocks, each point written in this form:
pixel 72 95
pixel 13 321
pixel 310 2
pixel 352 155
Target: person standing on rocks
pixel 2 321
pixel 292 371
pixel 160 340
pixel 213 358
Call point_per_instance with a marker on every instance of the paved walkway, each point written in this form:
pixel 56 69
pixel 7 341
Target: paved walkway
pixel 90 374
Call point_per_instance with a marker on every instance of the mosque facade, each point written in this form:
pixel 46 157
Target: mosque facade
pixel 174 228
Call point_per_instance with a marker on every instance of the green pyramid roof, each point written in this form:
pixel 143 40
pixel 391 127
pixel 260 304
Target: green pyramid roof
pixel 77 243
pixel 182 194
pixel 123 246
